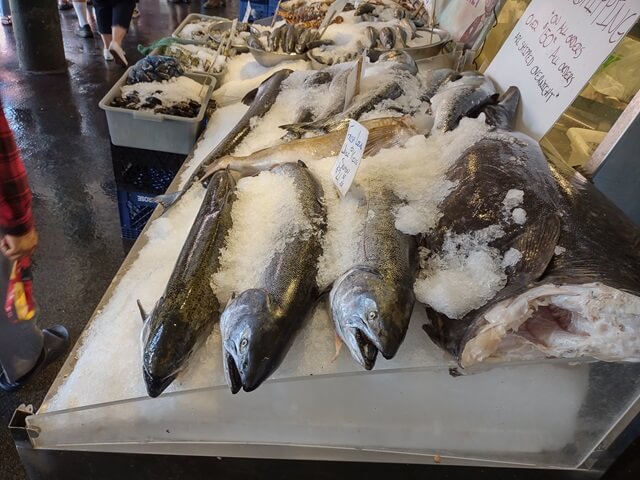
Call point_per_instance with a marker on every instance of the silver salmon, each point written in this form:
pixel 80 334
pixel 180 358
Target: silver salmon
pixel 371 303
pixel 259 325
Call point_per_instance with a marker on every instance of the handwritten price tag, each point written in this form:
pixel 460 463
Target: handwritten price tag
pixel 348 161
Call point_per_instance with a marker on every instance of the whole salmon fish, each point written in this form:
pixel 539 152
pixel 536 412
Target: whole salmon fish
pixel 383 133
pixel 371 303
pixel 259 325
pixel 187 311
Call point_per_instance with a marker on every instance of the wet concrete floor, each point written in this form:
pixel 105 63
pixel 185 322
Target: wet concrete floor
pixel 65 146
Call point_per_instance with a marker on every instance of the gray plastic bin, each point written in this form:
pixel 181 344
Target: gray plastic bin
pixel 155 131
pixel 193 17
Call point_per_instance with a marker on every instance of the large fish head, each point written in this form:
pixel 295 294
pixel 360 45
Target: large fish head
pixel 252 343
pixel 163 358
pixel 368 315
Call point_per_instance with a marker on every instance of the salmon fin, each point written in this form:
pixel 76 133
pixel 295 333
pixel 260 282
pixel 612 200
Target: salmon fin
pixel 338 345
pixel 143 312
pixel 296 130
pixel 168 199
pixel 536 244
pixel 250 96
pixel 221 163
pixel 503 114
pixel 436 326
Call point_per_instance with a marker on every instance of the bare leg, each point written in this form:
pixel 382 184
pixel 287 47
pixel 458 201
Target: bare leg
pixel 106 39
pixel 118 33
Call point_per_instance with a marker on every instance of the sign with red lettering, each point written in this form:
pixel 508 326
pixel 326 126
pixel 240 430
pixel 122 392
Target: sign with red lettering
pixel 553 51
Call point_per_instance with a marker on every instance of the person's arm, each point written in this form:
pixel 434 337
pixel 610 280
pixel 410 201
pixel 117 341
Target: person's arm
pixel 16 218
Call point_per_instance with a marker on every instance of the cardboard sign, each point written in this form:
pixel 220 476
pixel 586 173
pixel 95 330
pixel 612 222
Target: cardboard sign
pixel 348 161
pixel 553 51
pixel 468 21
pixel 353 82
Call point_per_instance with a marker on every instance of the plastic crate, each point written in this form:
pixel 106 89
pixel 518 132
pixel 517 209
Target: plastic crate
pixel 155 131
pixel 259 9
pixel 135 210
pixel 145 171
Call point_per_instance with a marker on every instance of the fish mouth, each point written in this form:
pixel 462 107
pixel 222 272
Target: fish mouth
pixel 234 378
pixel 557 321
pixel 368 350
pixel 155 384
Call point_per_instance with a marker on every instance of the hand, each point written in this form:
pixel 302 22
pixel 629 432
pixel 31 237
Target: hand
pixel 15 248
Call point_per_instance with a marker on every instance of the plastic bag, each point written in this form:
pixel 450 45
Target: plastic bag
pixel 19 304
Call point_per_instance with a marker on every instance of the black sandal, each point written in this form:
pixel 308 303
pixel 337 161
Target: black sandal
pixel 56 344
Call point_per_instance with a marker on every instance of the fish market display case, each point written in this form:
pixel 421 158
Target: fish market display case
pixel 320 411
pixel 556 415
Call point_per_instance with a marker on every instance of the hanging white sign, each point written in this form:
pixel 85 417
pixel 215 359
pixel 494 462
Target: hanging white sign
pixel 553 51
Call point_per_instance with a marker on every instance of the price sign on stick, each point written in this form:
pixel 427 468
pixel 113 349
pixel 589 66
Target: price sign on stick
pixel 335 8
pixel 353 82
pixel 348 161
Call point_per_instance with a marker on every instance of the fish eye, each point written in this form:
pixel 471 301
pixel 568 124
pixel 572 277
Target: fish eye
pixel 372 315
pixel 243 343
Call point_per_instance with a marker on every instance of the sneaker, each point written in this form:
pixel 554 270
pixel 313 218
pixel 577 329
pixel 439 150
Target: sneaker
pixel 84 32
pixel 118 54
pixel 136 13
pixel 107 55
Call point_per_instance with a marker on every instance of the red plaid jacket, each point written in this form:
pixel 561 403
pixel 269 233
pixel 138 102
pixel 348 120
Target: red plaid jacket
pixel 16 217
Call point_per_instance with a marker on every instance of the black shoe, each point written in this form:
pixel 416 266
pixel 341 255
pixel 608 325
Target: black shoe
pixel 56 344
pixel 65 6
pixel 84 32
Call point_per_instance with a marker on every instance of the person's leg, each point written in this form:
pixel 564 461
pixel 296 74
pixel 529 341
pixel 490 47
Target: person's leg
pixel 21 342
pixel 102 9
pixel 83 30
pixel 5 12
pixel 80 7
pixel 64 5
pixel 121 18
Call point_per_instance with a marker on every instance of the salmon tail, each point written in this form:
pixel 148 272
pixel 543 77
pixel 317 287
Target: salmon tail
pixel 386 137
pixel 503 113
pixel 407 122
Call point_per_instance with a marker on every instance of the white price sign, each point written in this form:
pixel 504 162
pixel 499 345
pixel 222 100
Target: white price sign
pixel 348 161
pixel 553 51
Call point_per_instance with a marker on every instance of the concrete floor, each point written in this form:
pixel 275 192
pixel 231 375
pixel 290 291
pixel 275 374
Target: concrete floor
pixel 64 141
pixel 65 145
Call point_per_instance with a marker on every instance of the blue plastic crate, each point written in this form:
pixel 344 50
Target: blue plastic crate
pixel 135 210
pixel 259 9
